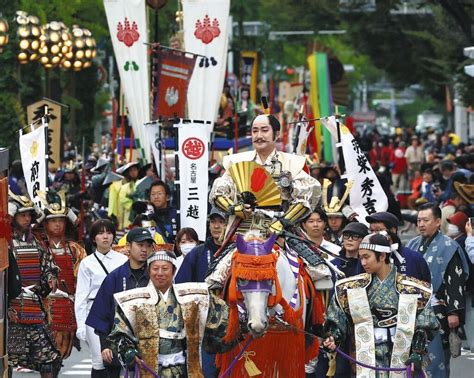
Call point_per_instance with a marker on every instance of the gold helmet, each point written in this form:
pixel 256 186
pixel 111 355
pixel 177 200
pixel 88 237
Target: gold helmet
pixel 19 204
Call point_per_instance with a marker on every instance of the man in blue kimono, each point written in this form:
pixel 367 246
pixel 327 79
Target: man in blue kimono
pixel 407 261
pixel 449 271
pixel 387 313
pixel 129 276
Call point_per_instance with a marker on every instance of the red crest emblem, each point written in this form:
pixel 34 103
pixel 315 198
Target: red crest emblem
pixel 127 33
pixel 205 31
pixel 193 148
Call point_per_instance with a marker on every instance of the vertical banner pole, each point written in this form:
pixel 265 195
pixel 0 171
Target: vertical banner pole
pixel 45 122
pixel 131 143
pixel 176 170
pixel 159 169
pixel 236 133
pixel 114 130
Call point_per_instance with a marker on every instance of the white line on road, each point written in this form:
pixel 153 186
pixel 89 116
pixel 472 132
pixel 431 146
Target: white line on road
pixel 77 372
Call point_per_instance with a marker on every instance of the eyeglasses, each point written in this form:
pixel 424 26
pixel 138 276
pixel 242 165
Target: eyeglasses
pixel 351 236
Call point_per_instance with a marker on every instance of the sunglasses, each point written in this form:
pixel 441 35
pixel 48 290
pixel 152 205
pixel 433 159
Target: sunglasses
pixel 351 236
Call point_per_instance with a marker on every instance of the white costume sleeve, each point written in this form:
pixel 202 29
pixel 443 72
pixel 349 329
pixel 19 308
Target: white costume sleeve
pixel 83 288
pixel 223 186
pixel 306 190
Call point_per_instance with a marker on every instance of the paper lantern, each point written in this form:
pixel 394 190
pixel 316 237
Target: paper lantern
pixel 83 50
pixel 57 44
pixel 3 33
pixel 29 32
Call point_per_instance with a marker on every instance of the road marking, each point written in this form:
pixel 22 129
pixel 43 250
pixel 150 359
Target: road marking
pixel 77 372
pixel 82 366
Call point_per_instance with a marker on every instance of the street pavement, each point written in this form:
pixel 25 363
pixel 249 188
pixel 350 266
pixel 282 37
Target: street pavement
pixel 79 365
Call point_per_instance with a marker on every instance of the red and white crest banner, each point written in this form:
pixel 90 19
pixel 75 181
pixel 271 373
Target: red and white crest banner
pixel 174 72
pixel 193 158
pixel 205 33
pixel 129 33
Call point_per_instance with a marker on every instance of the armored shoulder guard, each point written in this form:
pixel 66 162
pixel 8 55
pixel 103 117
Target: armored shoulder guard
pixel 133 294
pixel 191 288
pixel 303 251
pixel 411 285
pixel 355 282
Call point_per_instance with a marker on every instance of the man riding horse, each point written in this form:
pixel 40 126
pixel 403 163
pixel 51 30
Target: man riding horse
pixel 267 191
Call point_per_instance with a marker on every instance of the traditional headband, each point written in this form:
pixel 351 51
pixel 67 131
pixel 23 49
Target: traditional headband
pixel 375 247
pixel 162 256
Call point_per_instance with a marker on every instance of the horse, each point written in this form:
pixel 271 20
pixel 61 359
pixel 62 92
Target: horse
pixel 279 300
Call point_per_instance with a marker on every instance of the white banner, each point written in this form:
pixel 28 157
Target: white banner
pixel 33 160
pixel 193 157
pixel 205 33
pixel 366 196
pixel 152 130
pixel 129 32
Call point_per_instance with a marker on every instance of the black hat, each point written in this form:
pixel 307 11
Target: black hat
pixel 356 228
pixel 139 234
pixel 388 219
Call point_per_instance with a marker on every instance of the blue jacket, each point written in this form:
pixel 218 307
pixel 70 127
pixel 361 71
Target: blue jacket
pixel 414 265
pixel 101 315
pixel 196 262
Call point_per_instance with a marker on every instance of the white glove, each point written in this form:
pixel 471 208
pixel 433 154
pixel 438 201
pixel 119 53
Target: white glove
pixel 81 333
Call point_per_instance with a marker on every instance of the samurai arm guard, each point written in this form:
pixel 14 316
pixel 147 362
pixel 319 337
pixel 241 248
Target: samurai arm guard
pixel 296 212
pixel 230 208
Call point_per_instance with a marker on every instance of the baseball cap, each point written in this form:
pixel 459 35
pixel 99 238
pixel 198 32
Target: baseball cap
pixel 139 234
pixel 215 211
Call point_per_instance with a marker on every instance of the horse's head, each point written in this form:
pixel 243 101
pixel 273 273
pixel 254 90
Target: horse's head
pixel 255 276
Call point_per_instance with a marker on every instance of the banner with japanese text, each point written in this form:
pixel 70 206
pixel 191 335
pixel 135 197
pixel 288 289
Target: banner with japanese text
pixel 175 69
pixel 128 28
pixel 205 25
pixel 193 158
pixel 35 112
pixel 366 196
pixel 33 160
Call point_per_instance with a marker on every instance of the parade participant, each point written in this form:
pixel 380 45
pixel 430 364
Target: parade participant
pixel 66 255
pixel 30 342
pixel 299 191
pixel 186 240
pixel 352 236
pixel 164 215
pixel 196 262
pixel 92 271
pixel 407 261
pixel 469 248
pixel 378 309
pixel 69 182
pixel 449 270
pixel 130 275
pixel 314 226
pixel 145 221
pixel 125 193
pixel 336 223
pixel 163 325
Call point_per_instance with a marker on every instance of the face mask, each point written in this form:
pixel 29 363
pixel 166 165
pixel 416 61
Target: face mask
pixel 186 248
pixel 452 229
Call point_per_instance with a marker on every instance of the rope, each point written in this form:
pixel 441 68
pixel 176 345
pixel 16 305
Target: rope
pixel 407 369
pixel 143 366
pixel 226 373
